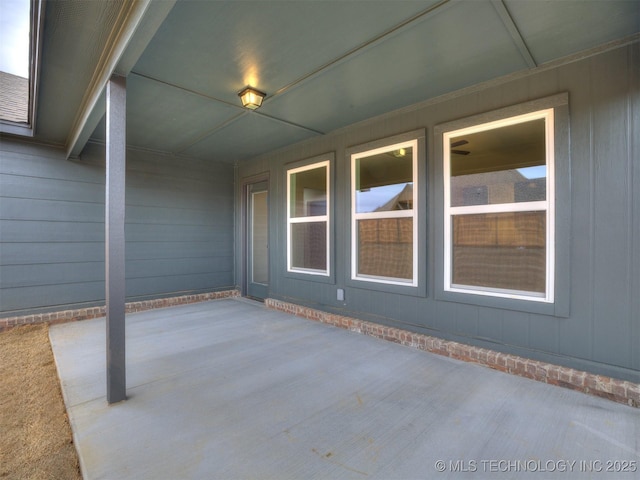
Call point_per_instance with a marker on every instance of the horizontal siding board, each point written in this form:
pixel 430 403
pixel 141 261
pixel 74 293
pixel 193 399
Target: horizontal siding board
pixel 13 276
pixel 172 216
pixel 188 198
pixel 50 232
pixel 151 165
pixel 172 250
pixel 50 210
pixel 69 211
pixel 19 186
pixel 54 253
pixel 160 169
pixel 173 189
pixel 35 188
pixel 52 167
pixel 16 299
pixel 220 236
pixel 178 283
pixel 180 266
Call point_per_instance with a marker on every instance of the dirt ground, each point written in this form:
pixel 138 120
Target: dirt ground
pixel 35 437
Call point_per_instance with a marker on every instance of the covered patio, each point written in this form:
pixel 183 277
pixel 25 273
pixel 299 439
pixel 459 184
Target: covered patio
pixel 230 389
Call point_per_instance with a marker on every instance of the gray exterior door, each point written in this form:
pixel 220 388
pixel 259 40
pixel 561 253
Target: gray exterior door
pixel 257 241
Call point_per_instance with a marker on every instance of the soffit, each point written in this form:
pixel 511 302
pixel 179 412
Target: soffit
pixel 75 34
pixel 323 64
pixel 216 48
pixel 553 29
pixel 434 55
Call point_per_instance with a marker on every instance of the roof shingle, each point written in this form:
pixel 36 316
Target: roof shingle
pixel 14 98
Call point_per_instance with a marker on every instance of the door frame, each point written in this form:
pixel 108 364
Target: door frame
pixel 244 253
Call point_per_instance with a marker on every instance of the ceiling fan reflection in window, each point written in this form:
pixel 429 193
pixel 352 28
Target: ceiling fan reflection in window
pixel 459 143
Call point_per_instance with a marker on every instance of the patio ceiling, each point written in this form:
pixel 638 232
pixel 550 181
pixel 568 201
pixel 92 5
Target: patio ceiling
pixel 323 65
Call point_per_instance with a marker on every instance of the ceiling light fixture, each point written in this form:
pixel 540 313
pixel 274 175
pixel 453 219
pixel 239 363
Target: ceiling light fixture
pixel 251 98
pixel 399 153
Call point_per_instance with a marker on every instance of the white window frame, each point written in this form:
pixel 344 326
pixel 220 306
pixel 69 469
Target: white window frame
pixel 413 213
pixel 547 205
pixel 309 219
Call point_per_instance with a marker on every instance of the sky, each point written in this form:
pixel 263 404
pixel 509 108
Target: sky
pixel 14 37
pixel 376 197
pixel 534 172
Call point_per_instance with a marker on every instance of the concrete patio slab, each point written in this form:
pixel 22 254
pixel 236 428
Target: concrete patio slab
pixel 231 390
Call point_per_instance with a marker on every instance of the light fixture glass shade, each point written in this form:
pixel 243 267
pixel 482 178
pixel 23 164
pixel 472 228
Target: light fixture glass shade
pixel 399 153
pixel 251 98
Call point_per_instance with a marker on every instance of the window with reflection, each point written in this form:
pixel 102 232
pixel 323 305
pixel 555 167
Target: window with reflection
pixel 21 40
pixel 308 219
pixel 498 207
pixel 384 214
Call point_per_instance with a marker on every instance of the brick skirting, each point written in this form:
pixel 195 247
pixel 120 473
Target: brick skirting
pixel 95 312
pixel 620 391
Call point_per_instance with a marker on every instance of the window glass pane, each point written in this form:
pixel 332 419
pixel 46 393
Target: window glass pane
pixel 500 250
pixel 309 245
pixel 309 192
pixel 260 237
pixel 385 247
pixel 502 165
pixel 384 181
pixel 15 37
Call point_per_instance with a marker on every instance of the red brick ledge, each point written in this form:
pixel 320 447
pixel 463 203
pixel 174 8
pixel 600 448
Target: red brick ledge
pixel 100 311
pixel 620 391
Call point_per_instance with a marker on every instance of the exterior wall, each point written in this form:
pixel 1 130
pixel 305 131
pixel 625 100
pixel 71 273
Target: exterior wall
pixel 599 331
pixel 179 234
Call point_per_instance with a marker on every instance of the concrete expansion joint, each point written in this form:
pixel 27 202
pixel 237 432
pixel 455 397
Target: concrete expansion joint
pixel 620 391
